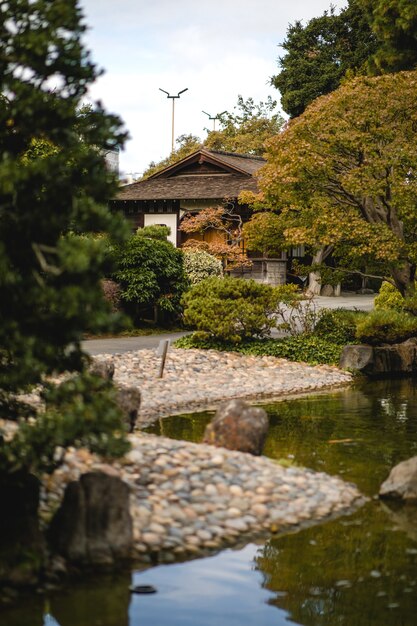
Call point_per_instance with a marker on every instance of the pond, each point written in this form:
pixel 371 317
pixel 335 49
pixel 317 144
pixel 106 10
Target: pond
pixel 359 570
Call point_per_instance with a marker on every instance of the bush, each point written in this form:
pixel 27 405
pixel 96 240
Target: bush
pixel 383 326
pixel 389 298
pixel 338 325
pixel 200 265
pixel 307 348
pixel 231 309
pixel 151 275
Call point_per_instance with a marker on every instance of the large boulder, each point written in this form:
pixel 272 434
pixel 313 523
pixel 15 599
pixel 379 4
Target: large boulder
pixel 93 526
pixel 238 426
pixel 401 484
pixel 357 357
pixel 386 360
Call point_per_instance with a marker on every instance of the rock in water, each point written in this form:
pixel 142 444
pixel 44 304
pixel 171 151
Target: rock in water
pixel 238 426
pixel 93 526
pixel 401 484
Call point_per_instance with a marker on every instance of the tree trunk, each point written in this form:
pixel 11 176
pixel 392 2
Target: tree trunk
pixel 404 279
pixel 314 284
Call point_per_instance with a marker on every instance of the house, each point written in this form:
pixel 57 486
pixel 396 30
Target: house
pixel 201 180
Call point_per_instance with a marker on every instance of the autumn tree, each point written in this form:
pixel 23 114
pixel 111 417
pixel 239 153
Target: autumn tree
pixel 343 176
pixel 227 224
pixel 394 24
pixel 318 55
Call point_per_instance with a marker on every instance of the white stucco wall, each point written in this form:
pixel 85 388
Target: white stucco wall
pixel 167 219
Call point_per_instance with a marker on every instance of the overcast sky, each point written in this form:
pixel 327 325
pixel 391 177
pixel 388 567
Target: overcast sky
pixel 216 48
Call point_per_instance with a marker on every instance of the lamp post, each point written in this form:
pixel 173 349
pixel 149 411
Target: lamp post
pixel 217 117
pixel 173 98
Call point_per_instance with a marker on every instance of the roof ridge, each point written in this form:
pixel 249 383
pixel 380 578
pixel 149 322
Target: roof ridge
pixel 235 154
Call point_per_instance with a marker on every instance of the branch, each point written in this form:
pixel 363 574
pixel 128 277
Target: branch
pixel 363 274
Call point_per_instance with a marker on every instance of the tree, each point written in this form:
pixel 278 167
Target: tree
pixel 342 175
pixel 187 144
pixel 320 54
pixel 150 271
pixel 51 182
pixel 227 223
pixel 246 130
pixel 394 23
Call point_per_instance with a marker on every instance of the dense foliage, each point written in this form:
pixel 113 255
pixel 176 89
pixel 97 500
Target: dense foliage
pixel 52 179
pixel 307 348
pixel 389 298
pixel 320 54
pixel 199 265
pixel 394 23
pixel 342 176
pixel 338 325
pixel 383 326
pixel 231 309
pixel 150 272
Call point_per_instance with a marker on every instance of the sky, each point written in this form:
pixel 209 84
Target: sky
pixel 217 49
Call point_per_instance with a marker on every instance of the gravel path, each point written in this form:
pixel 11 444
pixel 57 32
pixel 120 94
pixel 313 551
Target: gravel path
pixel 188 499
pixel 200 379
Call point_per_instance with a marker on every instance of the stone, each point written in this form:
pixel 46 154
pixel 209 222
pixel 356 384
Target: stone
pixel 357 357
pixel 103 369
pixel 401 484
pixel 128 400
pixel 383 360
pixel 93 526
pixel 327 290
pixel 238 426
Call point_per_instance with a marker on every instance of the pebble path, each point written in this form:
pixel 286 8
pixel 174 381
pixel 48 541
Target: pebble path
pixel 189 499
pixel 199 379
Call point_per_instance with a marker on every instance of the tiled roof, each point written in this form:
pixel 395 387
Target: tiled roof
pixel 170 183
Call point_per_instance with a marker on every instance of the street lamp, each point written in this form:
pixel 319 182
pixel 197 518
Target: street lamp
pixel 217 117
pixel 173 98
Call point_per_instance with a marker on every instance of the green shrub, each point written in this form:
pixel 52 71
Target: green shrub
pixel 199 265
pixel 306 348
pixel 231 309
pixel 389 298
pixel 150 272
pixel 386 326
pixel 338 325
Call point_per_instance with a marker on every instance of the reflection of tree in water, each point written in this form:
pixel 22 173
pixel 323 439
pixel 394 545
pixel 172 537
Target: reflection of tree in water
pixel 358 433
pixel 358 570
pixel 348 572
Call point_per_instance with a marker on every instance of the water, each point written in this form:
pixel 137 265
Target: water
pixel 360 570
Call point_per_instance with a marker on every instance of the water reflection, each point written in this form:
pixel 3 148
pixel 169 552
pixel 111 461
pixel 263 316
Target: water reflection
pixel 360 570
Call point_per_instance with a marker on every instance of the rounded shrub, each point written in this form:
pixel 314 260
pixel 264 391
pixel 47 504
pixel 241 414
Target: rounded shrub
pixel 338 325
pixel 386 326
pixel 199 265
pixel 231 309
pixel 389 298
